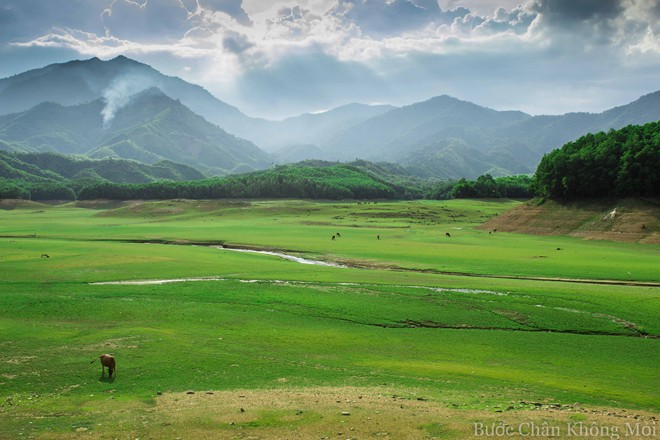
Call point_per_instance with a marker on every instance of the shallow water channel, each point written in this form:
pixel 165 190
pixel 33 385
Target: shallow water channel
pixel 283 255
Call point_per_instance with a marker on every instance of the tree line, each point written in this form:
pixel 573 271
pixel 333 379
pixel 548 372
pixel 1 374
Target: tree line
pixel 486 186
pixel 268 185
pixel 618 163
pixel 338 182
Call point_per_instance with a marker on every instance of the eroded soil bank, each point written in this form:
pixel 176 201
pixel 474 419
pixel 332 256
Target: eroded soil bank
pixel 627 220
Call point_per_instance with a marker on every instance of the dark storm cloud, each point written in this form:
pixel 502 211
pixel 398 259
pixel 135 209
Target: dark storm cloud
pixel 575 11
pixel 592 23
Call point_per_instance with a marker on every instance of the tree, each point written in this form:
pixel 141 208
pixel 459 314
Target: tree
pixel 619 163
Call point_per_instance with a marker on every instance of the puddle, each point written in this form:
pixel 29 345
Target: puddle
pixel 148 282
pixel 186 280
pixel 487 292
pixel 456 290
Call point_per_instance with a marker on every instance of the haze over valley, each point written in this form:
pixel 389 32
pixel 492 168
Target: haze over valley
pixel 121 108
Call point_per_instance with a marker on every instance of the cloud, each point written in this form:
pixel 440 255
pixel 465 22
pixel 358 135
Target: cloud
pixel 270 56
pixel 378 18
pixel 568 12
pixel 517 20
pixel 25 19
pixel 233 8
pixel 90 44
pixel 236 43
pixel 146 21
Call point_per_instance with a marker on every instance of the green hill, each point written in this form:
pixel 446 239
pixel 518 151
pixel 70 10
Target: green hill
pixel 59 167
pixel 618 163
pixel 286 181
pixel 55 176
pixel 45 176
pixel 151 128
pixel 600 186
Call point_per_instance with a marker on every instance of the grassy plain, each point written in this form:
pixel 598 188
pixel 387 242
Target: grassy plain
pixel 286 348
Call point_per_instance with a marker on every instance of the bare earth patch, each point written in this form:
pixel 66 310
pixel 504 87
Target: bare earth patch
pixel 629 220
pixel 369 413
pixel 20 360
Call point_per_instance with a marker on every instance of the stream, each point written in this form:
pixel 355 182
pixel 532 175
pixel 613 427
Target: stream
pixel 285 256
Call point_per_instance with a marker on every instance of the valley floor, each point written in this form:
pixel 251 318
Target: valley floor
pixel 433 328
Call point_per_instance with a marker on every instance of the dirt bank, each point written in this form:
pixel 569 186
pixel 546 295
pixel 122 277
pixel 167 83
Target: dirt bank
pixel 629 220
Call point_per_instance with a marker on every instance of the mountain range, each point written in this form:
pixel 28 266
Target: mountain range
pixel 125 109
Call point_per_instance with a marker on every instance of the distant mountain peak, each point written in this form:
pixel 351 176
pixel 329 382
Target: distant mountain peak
pixel 81 81
pixel 654 96
pixel 444 98
pixel 450 100
pixel 152 92
pixel 125 61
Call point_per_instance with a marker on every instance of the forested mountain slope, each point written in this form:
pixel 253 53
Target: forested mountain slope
pixel 150 128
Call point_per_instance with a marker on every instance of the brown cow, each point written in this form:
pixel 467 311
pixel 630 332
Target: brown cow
pixel 107 361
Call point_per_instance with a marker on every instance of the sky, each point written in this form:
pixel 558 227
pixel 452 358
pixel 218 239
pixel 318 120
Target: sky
pixel 280 58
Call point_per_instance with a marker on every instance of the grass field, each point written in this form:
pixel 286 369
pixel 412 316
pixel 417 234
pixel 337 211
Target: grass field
pixel 401 343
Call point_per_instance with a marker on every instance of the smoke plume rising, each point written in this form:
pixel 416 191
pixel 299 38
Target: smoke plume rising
pixel 120 92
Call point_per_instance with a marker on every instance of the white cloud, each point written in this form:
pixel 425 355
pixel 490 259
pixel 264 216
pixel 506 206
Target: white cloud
pixel 334 51
pixel 146 21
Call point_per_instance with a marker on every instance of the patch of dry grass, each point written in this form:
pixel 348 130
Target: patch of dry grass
pixel 353 413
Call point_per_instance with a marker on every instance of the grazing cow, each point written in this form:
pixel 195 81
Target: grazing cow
pixel 333 237
pixel 45 256
pixel 447 234
pixel 107 361
pixel 338 234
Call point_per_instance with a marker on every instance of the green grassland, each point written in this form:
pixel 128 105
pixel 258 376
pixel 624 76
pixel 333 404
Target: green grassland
pixel 404 317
